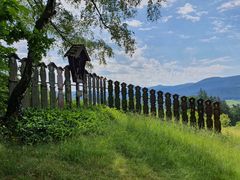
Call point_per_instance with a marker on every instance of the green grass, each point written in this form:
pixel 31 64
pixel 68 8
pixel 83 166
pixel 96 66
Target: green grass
pixel 232 102
pixel 128 147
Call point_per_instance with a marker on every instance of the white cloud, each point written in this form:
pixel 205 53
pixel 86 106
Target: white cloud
pixel 189 12
pixel 134 23
pixel 210 39
pixel 229 5
pixel 143 71
pixel 166 18
pixel 183 36
pixel 220 27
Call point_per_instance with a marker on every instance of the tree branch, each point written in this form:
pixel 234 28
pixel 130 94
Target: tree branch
pixel 60 33
pixel 100 15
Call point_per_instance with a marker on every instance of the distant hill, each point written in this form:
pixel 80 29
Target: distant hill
pixel 223 87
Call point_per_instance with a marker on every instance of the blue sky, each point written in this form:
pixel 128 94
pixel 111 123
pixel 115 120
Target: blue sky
pixel 193 40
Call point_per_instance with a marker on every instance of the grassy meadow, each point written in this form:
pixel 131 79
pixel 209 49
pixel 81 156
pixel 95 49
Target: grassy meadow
pixel 109 144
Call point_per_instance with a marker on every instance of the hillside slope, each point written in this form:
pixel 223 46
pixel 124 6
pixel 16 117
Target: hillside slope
pixel 127 146
pixel 223 87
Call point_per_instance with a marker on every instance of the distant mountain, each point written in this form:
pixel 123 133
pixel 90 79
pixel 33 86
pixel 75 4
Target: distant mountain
pixel 223 87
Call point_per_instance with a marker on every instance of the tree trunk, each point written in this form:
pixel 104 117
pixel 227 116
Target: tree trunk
pixel 14 102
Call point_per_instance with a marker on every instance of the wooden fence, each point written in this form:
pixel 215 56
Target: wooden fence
pixel 98 90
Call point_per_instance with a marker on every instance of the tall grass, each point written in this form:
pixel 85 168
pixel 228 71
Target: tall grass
pixel 129 146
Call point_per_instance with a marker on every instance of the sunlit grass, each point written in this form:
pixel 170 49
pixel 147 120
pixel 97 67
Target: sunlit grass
pixel 131 147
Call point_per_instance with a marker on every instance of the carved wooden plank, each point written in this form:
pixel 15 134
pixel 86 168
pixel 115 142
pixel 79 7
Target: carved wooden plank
pixel 68 88
pixel 98 90
pixel 94 89
pixel 35 89
pixel 217 112
pixel 184 107
pixel 85 93
pixel 26 101
pixel 176 107
pixel 124 96
pixel 208 110
pixel 78 94
pixel 12 73
pixel 89 76
pixel 160 105
pixel 138 99
pixel 168 105
pixel 60 87
pixel 101 90
pixel 117 95
pixel 192 107
pixel 145 101
pixel 104 91
pixel 110 93
pixel 131 98
pixel 44 91
pixel 51 68
pixel 153 102
pixel 200 109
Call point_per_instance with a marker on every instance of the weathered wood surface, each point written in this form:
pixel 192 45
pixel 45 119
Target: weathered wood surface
pixel 168 105
pixel 217 112
pixel 94 89
pixel 138 99
pixel 89 78
pixel 104 91
pixel 110 93
pixel 124 96
pixel 160 105
pixel 85 90
pixel 60 87
pixel 192 107
pixel 117 95
pixel 208 110
pixel 52 81
pixel 35 89
pixel 44 90
pixel 176 112
pixel 145 101
pixel 153 102
pixel 26 101
pixel 68 88
pixel 184 108
pixel 98 90
pixel 13 69
pixel 130 98
pixel 101 90
pixel 200 109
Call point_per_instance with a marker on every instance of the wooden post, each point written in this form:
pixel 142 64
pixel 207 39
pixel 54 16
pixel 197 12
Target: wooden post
pixel 68 88
pixel 89 76
pixel 184 108
pixel 200 109
pixel 168 105
pixel 160 105
pixel 217 112
pixel 98 92
pixel 60 87
pixel 208 110
pixel 153 102
pixel 44 90
pixel 104 91
pixel 12 73
pixel 145 101
pixel 138 99
pixel 35 89
pixel 176 107
pixel 192 111
pixel 117 95
pixel 94 88
pixel 78 94
pixel 85 93
pixel 131 98
pixel 26 102
pixel 51 68
pixel 124 96
pixel 101 91
pixel 110 93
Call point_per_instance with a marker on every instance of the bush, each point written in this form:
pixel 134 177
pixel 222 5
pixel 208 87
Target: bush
pixel 41 126
pixel 225 120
